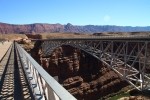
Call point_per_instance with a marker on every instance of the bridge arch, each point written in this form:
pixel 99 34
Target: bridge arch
pixel 104 51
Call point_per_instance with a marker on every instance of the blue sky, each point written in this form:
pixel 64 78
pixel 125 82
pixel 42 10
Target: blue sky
pixel 77 12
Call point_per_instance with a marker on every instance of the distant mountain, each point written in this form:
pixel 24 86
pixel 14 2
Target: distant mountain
pixel 47 28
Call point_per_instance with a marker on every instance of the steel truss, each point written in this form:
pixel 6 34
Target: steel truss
pixel 128 58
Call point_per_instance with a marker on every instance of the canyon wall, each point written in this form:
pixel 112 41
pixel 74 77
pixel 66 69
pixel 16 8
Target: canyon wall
pixel 80 73
pixel 59 28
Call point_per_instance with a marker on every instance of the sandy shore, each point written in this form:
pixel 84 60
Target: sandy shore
pixel 3 48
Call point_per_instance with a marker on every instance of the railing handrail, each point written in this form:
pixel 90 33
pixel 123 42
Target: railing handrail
pixel 61 92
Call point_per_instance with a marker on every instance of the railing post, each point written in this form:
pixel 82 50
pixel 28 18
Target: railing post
pixel 51 94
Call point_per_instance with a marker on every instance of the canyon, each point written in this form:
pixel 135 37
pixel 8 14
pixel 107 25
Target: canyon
pixel 81 74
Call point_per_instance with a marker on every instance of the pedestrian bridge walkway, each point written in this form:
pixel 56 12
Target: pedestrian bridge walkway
pixel 22 78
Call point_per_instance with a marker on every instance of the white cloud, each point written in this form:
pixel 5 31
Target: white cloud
pixel 107 18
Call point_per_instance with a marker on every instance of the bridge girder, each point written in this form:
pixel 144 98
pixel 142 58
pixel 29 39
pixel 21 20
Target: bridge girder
pixel 129 59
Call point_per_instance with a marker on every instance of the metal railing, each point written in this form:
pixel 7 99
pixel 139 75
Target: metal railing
pixel 43 86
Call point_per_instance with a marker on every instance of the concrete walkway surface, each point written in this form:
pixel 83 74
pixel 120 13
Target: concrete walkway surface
pixel 3 48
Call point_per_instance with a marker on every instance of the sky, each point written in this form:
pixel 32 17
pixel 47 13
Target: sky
pixel 76 12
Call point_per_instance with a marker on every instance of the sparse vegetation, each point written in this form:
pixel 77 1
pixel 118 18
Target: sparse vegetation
pixel 57 35
pixel 123 94
pixel 12 36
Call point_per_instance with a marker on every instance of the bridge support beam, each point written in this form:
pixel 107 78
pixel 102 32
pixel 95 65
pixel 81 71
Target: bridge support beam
pixel 130 59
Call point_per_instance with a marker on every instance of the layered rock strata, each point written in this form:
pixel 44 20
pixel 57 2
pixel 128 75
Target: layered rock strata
pixel 81 74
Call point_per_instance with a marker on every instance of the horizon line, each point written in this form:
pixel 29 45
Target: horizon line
pixel 71 24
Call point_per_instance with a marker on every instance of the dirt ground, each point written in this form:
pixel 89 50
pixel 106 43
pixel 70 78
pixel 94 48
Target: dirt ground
pixel 12 37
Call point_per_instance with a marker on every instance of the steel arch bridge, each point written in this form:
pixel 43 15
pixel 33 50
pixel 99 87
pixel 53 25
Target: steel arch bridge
pixel 127 56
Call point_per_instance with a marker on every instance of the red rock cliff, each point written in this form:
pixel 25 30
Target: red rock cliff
pixel 30 28
pixel 81 74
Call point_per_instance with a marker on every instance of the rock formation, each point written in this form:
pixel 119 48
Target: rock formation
pixel 30 28
pixel 81 74
pixel 49 28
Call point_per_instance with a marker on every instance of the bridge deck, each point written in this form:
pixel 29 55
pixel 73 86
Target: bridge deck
pixel 108 38
pixel 13 84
